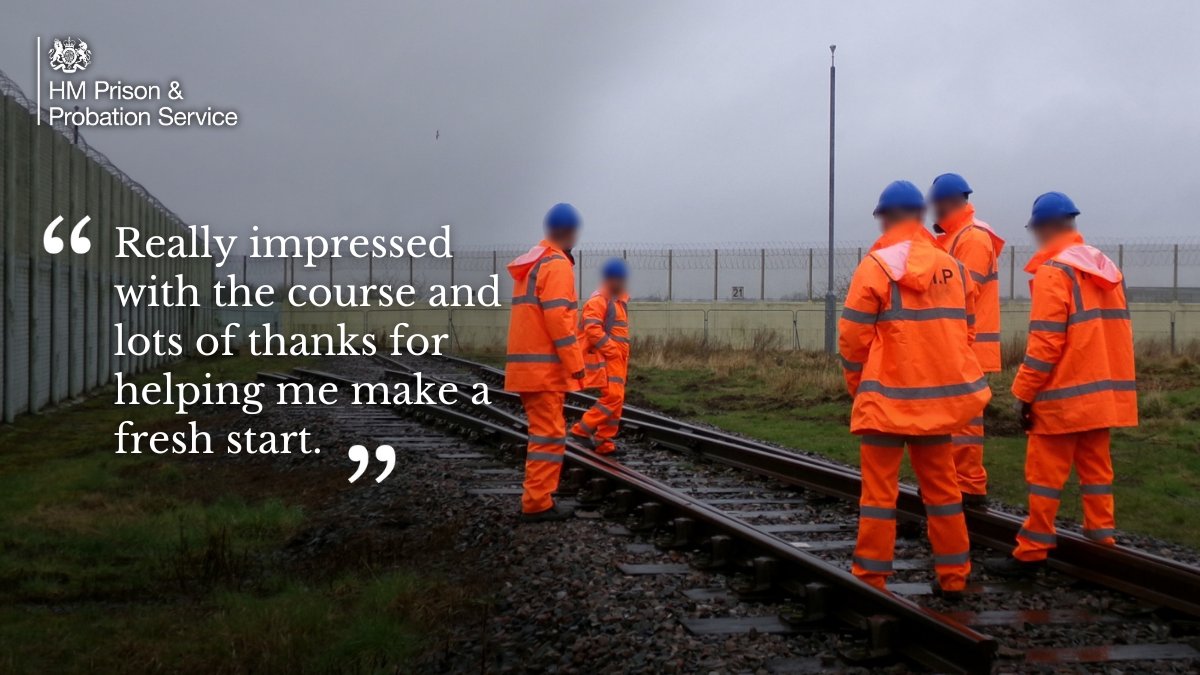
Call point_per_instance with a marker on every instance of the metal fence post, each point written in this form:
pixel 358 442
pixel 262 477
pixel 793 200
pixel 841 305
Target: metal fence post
pixel 670 274
pixel 810 275
pixel 1175 277
pixel 762 275
pixel 452 274
pixel 1121 256
pixel 716 272
pixel 1012 273
pixel 580 264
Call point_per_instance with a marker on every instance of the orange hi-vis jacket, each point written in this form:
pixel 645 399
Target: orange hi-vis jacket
pixel 605 336
pixel 905 339
pixel 973 243
pixel 1078 370
pixel 543 351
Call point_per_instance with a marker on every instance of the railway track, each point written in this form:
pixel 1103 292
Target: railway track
pixel 783 524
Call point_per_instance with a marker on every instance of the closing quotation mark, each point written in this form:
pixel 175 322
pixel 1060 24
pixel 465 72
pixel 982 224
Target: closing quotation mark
pixel 79 243
pixel 384 453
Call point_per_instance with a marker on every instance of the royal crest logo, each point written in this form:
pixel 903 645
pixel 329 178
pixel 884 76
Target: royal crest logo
pixel 70 56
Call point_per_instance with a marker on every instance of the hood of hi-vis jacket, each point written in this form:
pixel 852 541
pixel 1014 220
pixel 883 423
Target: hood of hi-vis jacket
pixel 1079 366
pixel 973 243
pixel 604 334
pixel 543 350
pixel 905 339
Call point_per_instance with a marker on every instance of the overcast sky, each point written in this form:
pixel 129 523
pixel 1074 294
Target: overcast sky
pixel 676 122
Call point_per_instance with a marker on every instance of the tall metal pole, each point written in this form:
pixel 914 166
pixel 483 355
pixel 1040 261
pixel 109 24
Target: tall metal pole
pixel 830 298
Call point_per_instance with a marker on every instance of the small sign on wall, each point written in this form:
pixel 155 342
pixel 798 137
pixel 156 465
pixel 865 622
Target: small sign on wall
pixel 739 292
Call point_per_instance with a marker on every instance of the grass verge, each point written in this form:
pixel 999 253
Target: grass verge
pixel 140 564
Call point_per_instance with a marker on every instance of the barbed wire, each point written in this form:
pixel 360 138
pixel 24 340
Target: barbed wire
pixel 12 90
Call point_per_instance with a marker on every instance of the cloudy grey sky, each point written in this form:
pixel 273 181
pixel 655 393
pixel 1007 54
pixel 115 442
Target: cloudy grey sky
pixel 663 121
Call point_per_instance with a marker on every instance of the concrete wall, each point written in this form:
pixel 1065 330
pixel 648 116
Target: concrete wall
pixel 798 325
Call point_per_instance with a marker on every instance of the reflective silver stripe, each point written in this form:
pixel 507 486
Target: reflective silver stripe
pixel 970 320
pixel 530 297
pixel 610 316
pixel 1044 491
pixel 944 509
pixel 1084 389
pixel 918 393
pixel 1038 364
pixel 548 440
pixel 858 317
pixel 604 409
pixel 1048 326
pixel 1099 535
pixel 929 314
pixel 1039 537
pixel 987 337
pixel 624 324
pixel 928 440
pixel 553 457
pixel 967 440
pixel 532 358
pixel 596 366
pixel 984 278
pixel 558 302
pixel 883 441
pixel 618 380
pixel 593 322
pixel 602 341
pixel 1096 489
pixel 880 512
pixel 873 565
pixel 976 422
pixel 565 342
pixel 620 340
pixel 587 427
pixel 952 558
pixel 1075 289
pixel 852 366
pixel 1090 314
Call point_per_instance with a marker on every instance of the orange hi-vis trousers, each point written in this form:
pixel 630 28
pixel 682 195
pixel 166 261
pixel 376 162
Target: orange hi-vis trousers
pixel 547 443
pixel 933 462
pixel 603 419
pixel 1048 460
pixel 968 458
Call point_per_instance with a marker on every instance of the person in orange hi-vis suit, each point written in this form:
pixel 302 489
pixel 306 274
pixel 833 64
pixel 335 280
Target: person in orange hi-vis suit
pixel 973 243
pixel 605 334
pixel 905 341
pixel 544 357
pixel 1076 383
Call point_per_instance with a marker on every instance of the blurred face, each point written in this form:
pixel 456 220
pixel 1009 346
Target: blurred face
pixel 564 239
pixel 944 208
pixel 615 286
pixel 1047 232
pixel 893 217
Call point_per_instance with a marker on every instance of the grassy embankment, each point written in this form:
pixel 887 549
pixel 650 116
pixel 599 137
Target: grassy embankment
pixel 147 564
pixel 799 400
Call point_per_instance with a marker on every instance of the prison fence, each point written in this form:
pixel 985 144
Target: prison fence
pixel 57 335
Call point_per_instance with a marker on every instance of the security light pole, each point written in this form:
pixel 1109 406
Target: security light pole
pixel 830 298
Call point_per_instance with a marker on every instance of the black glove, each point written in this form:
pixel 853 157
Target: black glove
pixel 578 375
pixel 1025 415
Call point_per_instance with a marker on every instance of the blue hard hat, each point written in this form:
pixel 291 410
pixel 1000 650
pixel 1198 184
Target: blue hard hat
pixel 614 268
pixel 1051 206
pixel 562 216
pixel 948 185
pixel 900 194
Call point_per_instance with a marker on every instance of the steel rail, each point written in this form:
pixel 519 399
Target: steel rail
pixel 893 623
pixel 1152 578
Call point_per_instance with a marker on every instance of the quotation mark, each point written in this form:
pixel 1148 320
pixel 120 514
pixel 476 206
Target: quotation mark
pixel 79 243
pixel 384 453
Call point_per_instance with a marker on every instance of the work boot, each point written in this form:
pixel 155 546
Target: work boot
pixel 583 438
pixel 948 596
pixel 552 514
pixel 974 501
pixel 1012 568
